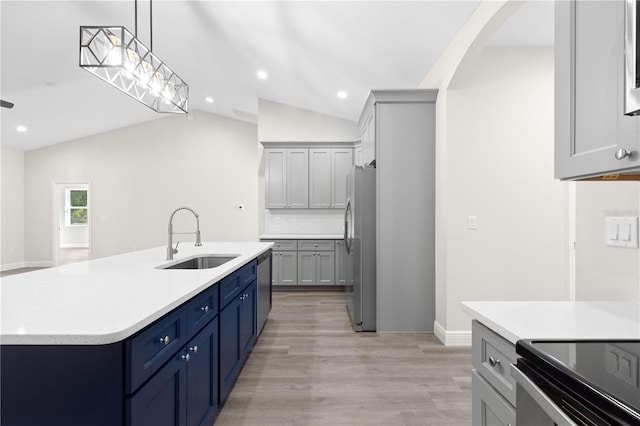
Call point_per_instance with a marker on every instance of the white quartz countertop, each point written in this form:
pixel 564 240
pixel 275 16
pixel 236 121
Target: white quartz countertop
pixel 561 320
pixel 106 300
pixel 301 237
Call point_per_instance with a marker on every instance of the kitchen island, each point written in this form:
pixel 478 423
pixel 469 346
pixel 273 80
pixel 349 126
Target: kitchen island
pixel 497 326
pixel 120 340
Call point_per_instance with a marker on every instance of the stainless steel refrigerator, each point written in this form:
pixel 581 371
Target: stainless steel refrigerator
pixel 360 242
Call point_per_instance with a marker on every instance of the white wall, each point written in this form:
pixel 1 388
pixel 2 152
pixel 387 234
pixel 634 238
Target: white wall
pixel 605 273
pixel 498 166
pixel 12 209
pixel 280 122
pixel 284 123
pixel 140 174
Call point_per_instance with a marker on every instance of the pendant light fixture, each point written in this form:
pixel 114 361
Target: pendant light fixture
pixel 119 58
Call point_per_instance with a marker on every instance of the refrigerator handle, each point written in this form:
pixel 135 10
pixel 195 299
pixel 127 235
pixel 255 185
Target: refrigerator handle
pixel 347 215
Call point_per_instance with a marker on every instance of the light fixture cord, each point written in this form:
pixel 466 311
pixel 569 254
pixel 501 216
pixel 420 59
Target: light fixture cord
pixel 151 24
pixel 135 14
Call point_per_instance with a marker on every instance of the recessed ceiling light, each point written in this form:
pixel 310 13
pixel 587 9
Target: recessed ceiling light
pixel 342 94
pixel 262 75
pixel 209 99
pixel 21 129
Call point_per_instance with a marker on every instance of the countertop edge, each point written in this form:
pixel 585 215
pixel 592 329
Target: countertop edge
pixel 119 335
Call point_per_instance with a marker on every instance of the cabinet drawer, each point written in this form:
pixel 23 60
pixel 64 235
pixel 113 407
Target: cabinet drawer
pixel 149 350
pixel 284 245
pixel 487 406
pixel 202 309
pixel 230 286
pixel 492 357
pixel 314 245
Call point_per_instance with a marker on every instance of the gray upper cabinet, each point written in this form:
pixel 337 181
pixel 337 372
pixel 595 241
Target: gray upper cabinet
pixel 590 125
pixel 319 178
pixel 328 172
pixel 307 175
pixel 287 178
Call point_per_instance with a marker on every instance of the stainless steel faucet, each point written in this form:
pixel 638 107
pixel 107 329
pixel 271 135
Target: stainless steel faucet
pixel 170 249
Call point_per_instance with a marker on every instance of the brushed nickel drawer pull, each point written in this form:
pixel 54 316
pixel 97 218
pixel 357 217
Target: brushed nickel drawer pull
pixel 165 340
pixel 494 361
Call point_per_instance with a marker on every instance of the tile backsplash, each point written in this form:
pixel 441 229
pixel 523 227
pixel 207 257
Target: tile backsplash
pixel 294 221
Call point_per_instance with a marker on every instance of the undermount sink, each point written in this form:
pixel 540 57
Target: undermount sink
pixel 202 262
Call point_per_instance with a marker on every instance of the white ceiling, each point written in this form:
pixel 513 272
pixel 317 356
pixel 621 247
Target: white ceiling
pixel 310 49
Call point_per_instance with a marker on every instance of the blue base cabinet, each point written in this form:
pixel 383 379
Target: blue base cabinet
pixel 237 336
pixel 185 391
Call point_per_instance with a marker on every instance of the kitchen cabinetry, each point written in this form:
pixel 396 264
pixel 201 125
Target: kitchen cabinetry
pixel 287 178
pixel 493 388
pixel 237 326
pixel 401 125
pixel 328 173
pixel 316 262
pixel 590 125
pixel 185 390
pixel 368 137
pixel 284 269
pixel 306 262
pixel 307 175
pixel 176 371
pixel 343 265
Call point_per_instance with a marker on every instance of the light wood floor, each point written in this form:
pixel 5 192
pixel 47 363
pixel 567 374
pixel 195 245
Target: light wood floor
pixel 310 368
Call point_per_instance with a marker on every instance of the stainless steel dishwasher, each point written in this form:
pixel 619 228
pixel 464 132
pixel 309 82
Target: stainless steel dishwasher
pixel 264 289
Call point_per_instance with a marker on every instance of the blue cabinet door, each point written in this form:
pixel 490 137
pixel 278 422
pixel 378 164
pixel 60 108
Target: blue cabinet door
pixel 162 400
pixel 230 349
pixel 202 376
pixel 248 320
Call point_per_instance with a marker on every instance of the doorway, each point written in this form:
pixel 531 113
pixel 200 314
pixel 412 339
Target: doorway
pixel 72 222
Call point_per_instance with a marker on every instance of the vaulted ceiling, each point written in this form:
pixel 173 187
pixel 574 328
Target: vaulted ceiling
pixel 309 49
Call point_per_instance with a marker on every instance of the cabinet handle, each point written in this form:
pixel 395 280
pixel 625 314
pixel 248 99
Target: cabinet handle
pixel 623 153
pixel 186 357
pixel 165 340
pixel 205 309
pixel 194 349
pixel 494 361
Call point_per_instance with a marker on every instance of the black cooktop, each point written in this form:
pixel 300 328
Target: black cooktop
pixel 604 372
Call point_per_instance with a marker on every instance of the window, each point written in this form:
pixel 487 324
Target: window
pixel 76 207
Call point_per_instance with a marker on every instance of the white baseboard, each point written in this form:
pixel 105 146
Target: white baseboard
pixel 451 338
pixel 74 245
pixel 38 264
pixel 10 266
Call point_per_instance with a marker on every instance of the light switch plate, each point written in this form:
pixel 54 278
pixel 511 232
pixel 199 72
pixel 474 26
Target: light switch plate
pixel 621 231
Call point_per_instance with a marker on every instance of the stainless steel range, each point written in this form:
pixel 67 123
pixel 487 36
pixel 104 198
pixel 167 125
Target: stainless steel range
pixel 577 382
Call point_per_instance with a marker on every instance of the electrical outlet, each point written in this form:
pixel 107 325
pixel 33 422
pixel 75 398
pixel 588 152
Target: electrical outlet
pixel 621 364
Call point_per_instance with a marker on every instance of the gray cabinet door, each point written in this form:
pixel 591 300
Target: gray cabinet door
pixel 307 268
pixel 488 408
pixel 275 267
pixel 288 268
pixel 298 178
pixel 325 268
pixel 341 264
pixel 589 91
pixel 275 178
pixel 341 164
pixel 320 178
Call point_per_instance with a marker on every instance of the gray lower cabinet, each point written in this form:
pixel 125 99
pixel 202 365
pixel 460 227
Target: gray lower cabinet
pixel 342 264
pixel 285 268
pixel 316 268
pixel 590 124
pixel 306 262
pixel 493 388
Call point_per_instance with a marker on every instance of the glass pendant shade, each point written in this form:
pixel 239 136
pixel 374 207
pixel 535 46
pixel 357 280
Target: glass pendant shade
pixel 120 59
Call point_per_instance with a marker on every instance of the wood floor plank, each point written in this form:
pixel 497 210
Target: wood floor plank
pixel 310 368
